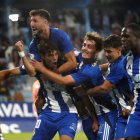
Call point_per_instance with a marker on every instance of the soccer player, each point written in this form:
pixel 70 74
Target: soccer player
pixel 85 112
pixel 85 108
pixel 117 77
pixel 41 31
pixel 58 107
pixel 89 134
pixel 131 39
pixel 83 105
pixel 90 75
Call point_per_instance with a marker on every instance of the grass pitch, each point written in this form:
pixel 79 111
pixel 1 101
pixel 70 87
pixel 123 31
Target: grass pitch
pixel 27 136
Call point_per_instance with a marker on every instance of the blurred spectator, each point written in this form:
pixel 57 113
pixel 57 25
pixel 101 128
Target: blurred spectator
pixel 131 17
pixel 8 53
pixel 4 92
pixel 128 17
pixel 96 20
pixel 101 57
pixel 2 64
pixel 116 29
pixel 15 60
pixel 18 97
pixel 105 20
pixel 3 47
pixel 69 20
pixel 77 42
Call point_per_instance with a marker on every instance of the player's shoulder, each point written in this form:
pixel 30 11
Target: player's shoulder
pixel 119 62
pixel 57 31
pixel 34 41
pixel 92 68
pixel 118 66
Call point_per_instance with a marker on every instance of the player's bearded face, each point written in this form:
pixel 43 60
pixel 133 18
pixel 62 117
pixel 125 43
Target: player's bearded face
pixel 88 49
pixel 36 32
pixel 37 24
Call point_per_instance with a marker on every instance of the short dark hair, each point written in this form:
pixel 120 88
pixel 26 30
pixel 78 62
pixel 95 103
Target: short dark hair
pixel 46 47
pixel 135 28
pixel 113 41
pixel 42 13
pixel 96 37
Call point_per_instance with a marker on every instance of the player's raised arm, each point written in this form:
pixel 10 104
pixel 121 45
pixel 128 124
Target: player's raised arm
pixel 29 68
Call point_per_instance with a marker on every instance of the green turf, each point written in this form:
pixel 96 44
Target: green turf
pixel 27 136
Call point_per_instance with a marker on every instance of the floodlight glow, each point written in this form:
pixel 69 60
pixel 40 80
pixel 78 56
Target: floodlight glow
pixel 14 17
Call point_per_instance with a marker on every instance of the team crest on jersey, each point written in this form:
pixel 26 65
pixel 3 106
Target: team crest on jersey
pixel 94 64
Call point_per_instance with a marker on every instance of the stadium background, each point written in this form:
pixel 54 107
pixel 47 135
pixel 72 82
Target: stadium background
pixel 76 17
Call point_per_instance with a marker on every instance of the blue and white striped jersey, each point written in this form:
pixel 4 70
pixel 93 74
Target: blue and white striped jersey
pixel 56 96
pixel 133 69
pixel 118 76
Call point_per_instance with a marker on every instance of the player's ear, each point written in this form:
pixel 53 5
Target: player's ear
pixel 119 49
pixel 46 21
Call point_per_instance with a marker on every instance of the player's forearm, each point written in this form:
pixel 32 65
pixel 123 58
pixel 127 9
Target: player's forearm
pixel 99 90
pixel 66 80
pixel 68 66
pixel 28 66
pixel 102 89
pixel 90 107
pixel 4 74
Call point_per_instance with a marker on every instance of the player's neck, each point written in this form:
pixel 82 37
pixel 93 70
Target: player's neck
pixel 46 34
pixel 89 61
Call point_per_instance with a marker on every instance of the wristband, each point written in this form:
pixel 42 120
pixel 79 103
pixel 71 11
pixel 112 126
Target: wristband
pixel 21 54
pixel 128 108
